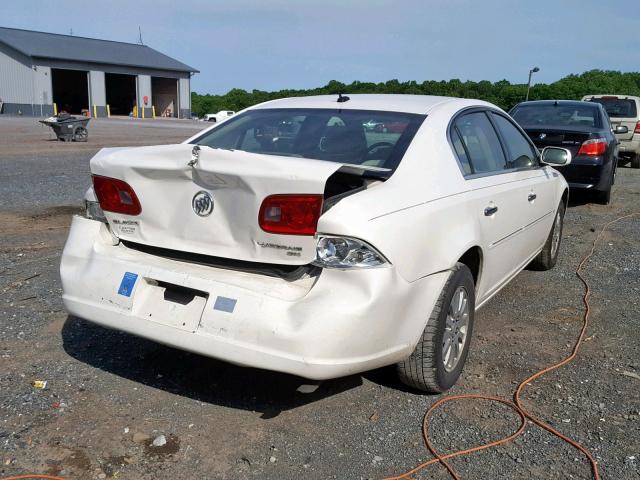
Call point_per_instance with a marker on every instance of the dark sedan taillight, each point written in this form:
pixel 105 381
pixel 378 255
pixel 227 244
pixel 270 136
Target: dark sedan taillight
pixel 116 196
pixel 593 147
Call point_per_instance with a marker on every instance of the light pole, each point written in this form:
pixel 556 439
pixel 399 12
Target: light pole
pixel 531 72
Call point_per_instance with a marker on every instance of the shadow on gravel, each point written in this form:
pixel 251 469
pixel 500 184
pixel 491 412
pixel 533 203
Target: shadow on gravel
pixel 191 375
pixel 388 377
pixel 581 197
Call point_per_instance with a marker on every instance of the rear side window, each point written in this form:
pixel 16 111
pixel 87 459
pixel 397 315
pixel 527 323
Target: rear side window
pixel 520 151
pixel 618 107
pixel 461 152
pixel 480 142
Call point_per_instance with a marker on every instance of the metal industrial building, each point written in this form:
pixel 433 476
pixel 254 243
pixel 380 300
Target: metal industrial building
pixel 80 74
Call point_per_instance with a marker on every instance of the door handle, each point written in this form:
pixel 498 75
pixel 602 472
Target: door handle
pixel 532 196
pixel 490 211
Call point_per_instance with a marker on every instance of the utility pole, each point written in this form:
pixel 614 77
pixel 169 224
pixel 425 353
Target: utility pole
pixel 140 35
pixel 531 72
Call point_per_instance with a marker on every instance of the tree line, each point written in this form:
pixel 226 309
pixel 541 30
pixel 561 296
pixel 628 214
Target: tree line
pixel 502 93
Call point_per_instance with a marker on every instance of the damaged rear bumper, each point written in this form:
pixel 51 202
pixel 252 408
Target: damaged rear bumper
pixel 334 324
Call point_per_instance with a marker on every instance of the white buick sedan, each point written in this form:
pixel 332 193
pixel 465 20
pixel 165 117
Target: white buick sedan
pixel 294 238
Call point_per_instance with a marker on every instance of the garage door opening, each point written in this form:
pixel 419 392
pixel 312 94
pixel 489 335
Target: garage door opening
pixel 164 92
pixel 70 90
pixel 121 92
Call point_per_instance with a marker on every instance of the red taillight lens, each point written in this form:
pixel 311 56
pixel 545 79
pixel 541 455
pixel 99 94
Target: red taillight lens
pixel 594 147
pixel 290 214
pixel 116 196
pixel 637 129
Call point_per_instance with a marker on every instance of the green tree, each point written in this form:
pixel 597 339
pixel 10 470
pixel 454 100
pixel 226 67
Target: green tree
pixel 501 93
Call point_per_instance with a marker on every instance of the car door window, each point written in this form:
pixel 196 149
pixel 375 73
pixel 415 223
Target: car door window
pixel 521 153
pixel 481 144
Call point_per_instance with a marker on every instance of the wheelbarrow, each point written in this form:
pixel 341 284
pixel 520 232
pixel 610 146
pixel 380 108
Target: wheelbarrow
pixel 68 128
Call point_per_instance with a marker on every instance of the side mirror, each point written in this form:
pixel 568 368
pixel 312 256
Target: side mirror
pixel 555 156
pixel 621 129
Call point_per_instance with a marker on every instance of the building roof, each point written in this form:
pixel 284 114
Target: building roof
pixel 92 50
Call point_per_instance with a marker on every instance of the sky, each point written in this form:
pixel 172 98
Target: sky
pixel 277 44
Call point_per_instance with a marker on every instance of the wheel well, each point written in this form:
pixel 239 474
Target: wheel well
pixel 472 258
pixel 565 196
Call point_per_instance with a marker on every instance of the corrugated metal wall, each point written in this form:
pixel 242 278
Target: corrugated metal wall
pixel 144 90
pixel 96 88
pixel 15 77
pixel 185 97
pixel 21 85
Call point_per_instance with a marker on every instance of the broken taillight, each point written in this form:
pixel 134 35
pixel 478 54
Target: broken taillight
pixel 290 214
pixel 116 196
pixel 594 147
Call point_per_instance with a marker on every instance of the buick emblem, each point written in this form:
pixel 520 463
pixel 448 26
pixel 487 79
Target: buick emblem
pixel 542 136
pixel 202 203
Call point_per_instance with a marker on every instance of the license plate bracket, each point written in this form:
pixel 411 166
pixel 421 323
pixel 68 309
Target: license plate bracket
pixel 169 304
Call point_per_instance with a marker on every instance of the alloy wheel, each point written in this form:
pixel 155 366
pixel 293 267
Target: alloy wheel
pixel 456 329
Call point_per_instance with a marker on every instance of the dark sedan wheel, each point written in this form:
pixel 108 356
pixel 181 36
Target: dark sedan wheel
pixel 635 161
pixel 604 197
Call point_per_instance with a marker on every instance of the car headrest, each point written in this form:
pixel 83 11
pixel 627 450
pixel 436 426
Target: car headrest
pixel 344 139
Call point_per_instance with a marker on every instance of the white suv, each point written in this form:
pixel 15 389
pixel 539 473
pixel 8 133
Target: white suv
pixel 218 117
pixel 623 110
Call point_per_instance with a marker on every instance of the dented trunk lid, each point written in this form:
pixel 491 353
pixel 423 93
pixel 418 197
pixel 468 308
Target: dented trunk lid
pixel 237 182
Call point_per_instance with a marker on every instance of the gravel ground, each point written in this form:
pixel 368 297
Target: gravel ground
pixel 109 395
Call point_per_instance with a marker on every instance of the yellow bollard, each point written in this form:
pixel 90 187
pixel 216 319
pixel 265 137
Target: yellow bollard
pixel 135 111
pixel 95 111
pixel 55 109
pixel 108 111
pixel 142 112
pixel 153 111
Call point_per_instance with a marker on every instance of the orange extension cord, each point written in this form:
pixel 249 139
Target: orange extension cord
pixel 516 404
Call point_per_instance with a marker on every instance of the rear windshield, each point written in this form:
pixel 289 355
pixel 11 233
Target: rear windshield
pixel 373 139
pixel 618 107
pixel 557 115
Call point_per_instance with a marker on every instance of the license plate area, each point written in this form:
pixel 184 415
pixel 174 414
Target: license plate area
pixel 169 304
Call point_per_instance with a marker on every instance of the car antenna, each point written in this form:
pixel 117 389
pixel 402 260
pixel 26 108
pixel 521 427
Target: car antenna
pixel 342 98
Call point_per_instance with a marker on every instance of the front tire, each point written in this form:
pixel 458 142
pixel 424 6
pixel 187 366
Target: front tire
pixel 548 257
pixel 438 359
pixel 635 161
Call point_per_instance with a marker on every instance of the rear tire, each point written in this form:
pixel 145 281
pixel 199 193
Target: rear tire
pixel 548 257
pixel 635 161
pixel 438 359
pixel 604 196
